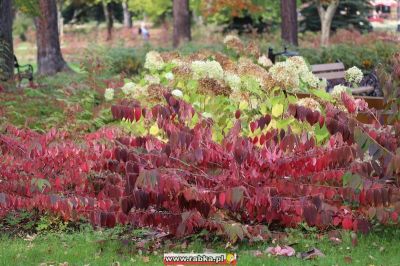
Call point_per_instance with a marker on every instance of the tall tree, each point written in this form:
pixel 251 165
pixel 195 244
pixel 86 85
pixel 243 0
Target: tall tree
pixel 109 17
pixel 326 11
pixel 289 21
pixel 6 40
pixel 49 57
pixel 181 15
pixel 127 14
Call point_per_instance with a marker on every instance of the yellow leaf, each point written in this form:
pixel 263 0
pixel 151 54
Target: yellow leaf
pixel 243 105
pixel 154 130
pixel 277 110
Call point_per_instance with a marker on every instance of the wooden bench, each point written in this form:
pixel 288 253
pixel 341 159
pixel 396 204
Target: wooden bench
pixel 337 71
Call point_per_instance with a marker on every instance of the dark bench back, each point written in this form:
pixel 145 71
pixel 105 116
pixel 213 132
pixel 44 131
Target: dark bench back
pixel 329 71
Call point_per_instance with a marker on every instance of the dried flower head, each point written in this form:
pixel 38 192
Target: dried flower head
pixel 233 42
pixel 156 91
pixel 210 86
pixel 183 71
pixel 309 103
pixel 264 61
pixel 253 49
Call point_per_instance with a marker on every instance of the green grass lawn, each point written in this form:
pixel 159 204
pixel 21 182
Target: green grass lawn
pixel 107 247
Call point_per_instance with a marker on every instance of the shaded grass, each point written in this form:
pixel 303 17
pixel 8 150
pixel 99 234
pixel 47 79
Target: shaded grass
pixel 381 247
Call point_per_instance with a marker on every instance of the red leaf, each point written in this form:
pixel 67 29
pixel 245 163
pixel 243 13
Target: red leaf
pixel 394 216
pixel 347 223
pixel 221 199
pixel 138 113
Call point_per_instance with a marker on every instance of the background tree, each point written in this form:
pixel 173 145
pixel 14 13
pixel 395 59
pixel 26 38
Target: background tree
pixel 6 41
pixel 350 13
pixel 127 14
pixel 109 17
pixel 289 26
pixel 326 11
pixel 181 14
pixel 49 57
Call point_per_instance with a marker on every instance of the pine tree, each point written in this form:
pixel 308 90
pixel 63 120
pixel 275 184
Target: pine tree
pixel 350 13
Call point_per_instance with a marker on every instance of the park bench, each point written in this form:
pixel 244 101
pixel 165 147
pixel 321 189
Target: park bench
pixel 23 71
pixel 335 71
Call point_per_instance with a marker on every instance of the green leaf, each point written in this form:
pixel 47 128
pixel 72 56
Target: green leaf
pixel 323 95
pixel 277 110
pixel 352 181
pixel 321 134
pixel 362 139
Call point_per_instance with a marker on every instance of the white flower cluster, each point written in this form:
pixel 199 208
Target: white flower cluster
pixel 109 94
pixel 309 103
pixel 154 61
pixel 323 83
pixel 128 88
pixel 354 75
pixel 264 61
pixel 295 69
pixel 337 91
pixel 309 78
pixel 177 93
pixel 285 74
pixel 169 76
pixel 233 81
pixel 207 69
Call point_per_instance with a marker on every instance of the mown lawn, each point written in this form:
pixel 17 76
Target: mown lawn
pixel 89 247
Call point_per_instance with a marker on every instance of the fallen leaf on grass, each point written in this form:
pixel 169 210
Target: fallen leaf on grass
pixel 256 253
pixel 348 259
pixel 335 240
pixel 281 251
pixel 312 254
pixel 146 259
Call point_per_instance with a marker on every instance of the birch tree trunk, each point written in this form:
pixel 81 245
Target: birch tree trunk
pixel 289 21
pixel 49 57
pixel 127 15
pixel 181 15
pixel 326 16
pixel 60 4
pixel 6 41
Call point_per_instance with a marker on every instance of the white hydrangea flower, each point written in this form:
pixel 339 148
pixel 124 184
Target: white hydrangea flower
pixel 207 69
pixel 154 61
pixel 337 91
pixel 309 103
pixel 232 80
pixel 230 38
pixel 298 63
pixel 169 76
pixel 152 79
pixel 310 79
pixel 177 93
pixel 354 75
pixel 285 74
pixel 206 115
pixel 264 61
pixel 128 88
pixel 109 94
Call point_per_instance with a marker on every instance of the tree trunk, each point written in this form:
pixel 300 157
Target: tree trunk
pixel 60 19
pixel 108 15
pixel 127 15
pixel 289 22
pixel 6 41
pixel 326 17
pixel 181 15
pixel 49 57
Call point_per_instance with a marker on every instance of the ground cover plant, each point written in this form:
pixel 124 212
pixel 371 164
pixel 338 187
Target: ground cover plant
pixel 217 142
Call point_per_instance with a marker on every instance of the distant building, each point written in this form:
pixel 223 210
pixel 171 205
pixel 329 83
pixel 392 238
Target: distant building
pixel 385 9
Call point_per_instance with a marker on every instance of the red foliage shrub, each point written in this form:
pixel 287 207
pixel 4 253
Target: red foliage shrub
pixel 190 182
